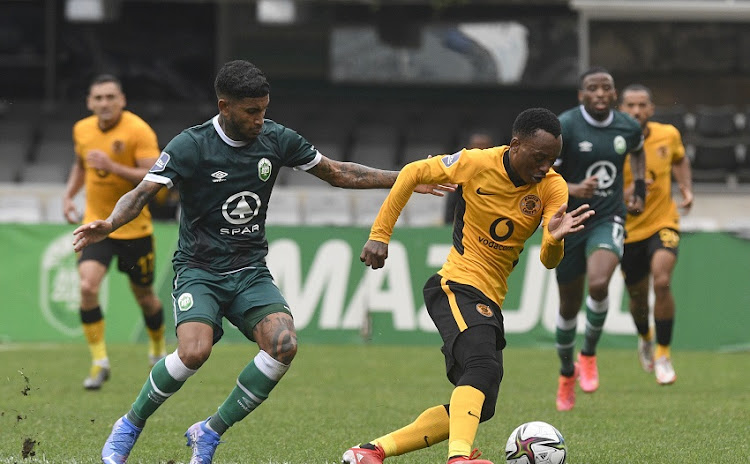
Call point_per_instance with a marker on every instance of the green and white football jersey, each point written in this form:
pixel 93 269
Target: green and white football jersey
pixel 591 147
pixel 224 188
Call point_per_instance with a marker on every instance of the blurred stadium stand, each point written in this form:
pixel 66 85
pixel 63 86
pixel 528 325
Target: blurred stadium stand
pixel 167 68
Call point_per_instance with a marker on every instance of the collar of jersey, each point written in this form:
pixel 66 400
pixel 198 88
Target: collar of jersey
pixel 227 140
pixel 594 122
pixel 512 174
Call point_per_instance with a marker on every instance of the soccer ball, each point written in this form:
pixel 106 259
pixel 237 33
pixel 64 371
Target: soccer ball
pixel 536 443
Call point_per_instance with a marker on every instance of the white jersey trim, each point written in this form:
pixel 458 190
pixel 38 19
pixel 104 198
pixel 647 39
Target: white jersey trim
pixel 157 179
pixel 224 137
pixel 594 122
pixel 311 164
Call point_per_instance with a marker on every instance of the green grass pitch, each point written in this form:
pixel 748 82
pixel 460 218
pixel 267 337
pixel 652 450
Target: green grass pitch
pixel 336 396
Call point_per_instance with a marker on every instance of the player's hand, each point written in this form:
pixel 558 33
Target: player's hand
pixel 586 188
pixel 70 211
pixel 687 199
pixel 563 224
pixel 97 159
pixel 374 254
pixel 92 232
pixel 435 189
pixel 635 205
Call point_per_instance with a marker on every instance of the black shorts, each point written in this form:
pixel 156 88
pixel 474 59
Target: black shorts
pixel 636 259
pixel 455 307
pixel 135 257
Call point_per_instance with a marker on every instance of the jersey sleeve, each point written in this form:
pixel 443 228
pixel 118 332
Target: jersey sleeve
pixel 147 145
pixel 677 148
pixel 634 136
pixel 555 195
pixel 178 161
pixel 296 151
pixel 559 164
pixel 457 168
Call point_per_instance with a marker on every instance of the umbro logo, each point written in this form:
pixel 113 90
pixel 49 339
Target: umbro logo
pixel 585 146
pixel 480 192
pixel 219 176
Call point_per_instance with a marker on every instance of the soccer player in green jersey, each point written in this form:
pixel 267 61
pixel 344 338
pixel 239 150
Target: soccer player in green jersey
pixel 596 141
pixel 224 171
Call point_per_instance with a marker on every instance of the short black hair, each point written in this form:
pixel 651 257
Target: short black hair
pixel 533 119
pixel 241 79
pixel 105 78
pixel 590 71
pixel 638 88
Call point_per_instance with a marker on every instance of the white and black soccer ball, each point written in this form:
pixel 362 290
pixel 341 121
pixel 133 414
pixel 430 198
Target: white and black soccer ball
pixel 536 443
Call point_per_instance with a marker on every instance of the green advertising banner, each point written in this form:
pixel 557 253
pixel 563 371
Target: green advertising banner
pixel 336 299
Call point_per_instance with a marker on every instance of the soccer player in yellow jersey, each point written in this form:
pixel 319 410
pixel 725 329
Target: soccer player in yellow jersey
pixel 653 237
pixel 114 151
pixel 507 192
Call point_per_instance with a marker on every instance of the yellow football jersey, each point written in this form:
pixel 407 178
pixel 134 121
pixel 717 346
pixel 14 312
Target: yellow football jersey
pixel 500 213
pixel 130 140
pixel 663 148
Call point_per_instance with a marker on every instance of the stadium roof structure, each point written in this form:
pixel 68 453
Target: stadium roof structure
pixel 652 10
pixel 675 10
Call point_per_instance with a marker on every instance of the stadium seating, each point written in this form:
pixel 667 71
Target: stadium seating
pixel 676 115
pixel 715 145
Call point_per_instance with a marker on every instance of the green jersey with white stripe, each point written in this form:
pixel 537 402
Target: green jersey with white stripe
pixel 224 187
pixel 591 147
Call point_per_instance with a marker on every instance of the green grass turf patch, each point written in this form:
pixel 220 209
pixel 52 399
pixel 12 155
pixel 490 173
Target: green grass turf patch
pixel 336 396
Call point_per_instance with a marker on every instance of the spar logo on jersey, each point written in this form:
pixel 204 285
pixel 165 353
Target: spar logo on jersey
pixel 450 160
pixel 241 207
pixel 605 173
pixel 620 145
pixel 264 169
pixel 161 163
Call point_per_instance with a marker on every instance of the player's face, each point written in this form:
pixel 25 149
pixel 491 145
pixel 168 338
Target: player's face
pixel 597 95
pixel 532 157
pixel 106 101
pixel 637 104
pixel 243 118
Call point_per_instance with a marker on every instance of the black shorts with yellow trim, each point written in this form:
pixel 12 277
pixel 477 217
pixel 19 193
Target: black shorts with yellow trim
pixel 455 307
pixel 636 259
pixel 135 257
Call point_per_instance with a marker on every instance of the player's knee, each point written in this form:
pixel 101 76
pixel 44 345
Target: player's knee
pixel 599 287
pixel 193 355
pixel 662 282
pixel 287 350
pixel 89 289
pixel 148 303
pixel 485 374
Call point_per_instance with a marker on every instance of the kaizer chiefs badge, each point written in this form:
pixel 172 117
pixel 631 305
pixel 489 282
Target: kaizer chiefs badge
pixel 118 146
pixel 484 310
pixel 530 205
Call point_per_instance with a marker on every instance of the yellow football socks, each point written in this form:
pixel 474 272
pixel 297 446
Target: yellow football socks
pixel 662 350
pixel 156 345
pixel 466 408
pixel 94 332
pixel 429 428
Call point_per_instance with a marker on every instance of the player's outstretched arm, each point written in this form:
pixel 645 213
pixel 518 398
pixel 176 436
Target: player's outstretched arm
pixel 374 254
pixel 358 176
pixel 563 224
pixel 127 208
pixel 637 201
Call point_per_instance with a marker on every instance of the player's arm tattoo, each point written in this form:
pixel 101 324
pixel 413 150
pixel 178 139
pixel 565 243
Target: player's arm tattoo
pixel 353 175
pixel 276 336
pixel 130 205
